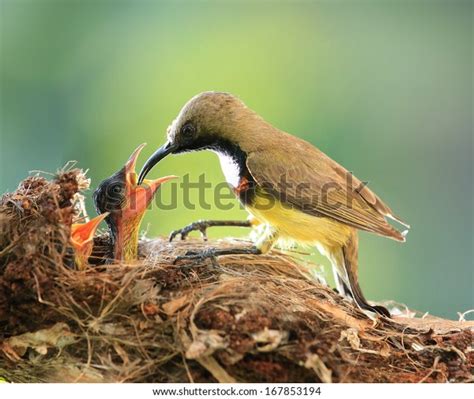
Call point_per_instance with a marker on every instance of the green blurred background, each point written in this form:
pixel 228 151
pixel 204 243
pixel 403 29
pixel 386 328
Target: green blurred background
pixel 383 87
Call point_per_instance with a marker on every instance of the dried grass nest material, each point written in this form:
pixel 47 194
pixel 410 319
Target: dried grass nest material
pixel 245 319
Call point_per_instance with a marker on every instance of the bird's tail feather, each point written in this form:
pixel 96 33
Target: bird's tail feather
pixel 397 219
pixel 350 252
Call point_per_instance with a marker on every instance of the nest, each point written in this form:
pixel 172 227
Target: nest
pixel 243 319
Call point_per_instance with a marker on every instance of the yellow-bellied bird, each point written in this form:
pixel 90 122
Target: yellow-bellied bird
pixel 297 192
pixel 82 240
pixel 126 203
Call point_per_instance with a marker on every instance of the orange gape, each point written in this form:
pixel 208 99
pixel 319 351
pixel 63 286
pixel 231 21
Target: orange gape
pixel 82 239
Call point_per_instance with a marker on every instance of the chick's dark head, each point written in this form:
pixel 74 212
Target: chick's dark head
pixel 110 196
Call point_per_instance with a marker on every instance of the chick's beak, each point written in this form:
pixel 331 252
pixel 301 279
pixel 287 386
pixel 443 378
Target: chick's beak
pixel 130 174
pixel 83 233
pixel 144 194
pixel 139 196
pixel 82 239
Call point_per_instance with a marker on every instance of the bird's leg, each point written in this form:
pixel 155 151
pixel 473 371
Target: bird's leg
pixel 203 225
pixel 262 246
pixel 215 252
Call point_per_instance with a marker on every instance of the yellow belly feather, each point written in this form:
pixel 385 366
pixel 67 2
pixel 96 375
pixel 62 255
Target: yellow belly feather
pixel 294 226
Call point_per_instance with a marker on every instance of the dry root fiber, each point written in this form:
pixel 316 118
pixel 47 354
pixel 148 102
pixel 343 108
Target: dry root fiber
pixel 245 319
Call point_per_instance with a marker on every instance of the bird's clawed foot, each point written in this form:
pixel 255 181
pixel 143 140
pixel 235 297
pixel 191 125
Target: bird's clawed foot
pixel 213 253
pixel 200 225
pixel 197 256
pixel 203 225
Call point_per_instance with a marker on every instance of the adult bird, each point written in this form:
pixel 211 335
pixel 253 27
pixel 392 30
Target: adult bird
pixel 82 239
pixel 286 184
pixel 126 203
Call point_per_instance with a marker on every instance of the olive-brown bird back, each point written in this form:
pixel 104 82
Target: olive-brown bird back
pixel 322 188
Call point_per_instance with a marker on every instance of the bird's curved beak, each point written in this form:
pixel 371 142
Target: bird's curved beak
pixel 157 156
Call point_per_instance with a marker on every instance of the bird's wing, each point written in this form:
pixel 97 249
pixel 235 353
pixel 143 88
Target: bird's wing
pixel 307 179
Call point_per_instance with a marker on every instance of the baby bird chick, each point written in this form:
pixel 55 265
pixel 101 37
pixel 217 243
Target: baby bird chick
pixel 82 239
pixel 126 203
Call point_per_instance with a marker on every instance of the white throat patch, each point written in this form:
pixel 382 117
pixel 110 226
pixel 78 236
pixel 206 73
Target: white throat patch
pixel 230 168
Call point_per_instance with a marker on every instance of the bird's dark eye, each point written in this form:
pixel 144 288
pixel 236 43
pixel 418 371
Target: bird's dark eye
pixel 116 188
pixel 109 196
pixel 188 129
pixel 115 196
